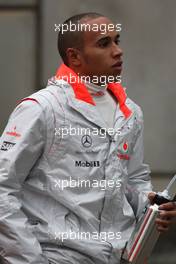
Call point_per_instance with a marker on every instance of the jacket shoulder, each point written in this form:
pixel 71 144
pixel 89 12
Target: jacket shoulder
pixel 47 98
pixel 136 109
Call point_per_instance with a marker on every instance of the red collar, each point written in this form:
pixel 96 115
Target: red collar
pixel 81 92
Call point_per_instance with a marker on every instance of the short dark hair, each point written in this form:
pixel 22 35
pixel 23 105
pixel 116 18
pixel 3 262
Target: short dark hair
pixel 73 39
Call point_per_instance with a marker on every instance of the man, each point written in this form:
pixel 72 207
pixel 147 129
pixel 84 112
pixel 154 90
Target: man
pixel 72 178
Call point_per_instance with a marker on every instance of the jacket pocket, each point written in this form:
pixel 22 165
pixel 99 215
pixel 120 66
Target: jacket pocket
pixel 72 223
pixel 51 262
pixel 127 209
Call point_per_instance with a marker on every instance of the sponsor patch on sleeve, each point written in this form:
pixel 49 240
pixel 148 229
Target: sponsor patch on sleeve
pixel 6 145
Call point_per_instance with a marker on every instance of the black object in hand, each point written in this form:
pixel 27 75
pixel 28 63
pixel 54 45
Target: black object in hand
pixel 158 199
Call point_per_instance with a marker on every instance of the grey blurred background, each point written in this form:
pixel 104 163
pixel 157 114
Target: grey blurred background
pixel 28 57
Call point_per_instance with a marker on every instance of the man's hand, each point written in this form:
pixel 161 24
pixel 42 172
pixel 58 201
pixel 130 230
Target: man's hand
pixel 151 197
pixel 167 214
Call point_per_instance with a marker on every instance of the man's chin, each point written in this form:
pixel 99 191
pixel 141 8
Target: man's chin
pixel 114 76
pixel 117 71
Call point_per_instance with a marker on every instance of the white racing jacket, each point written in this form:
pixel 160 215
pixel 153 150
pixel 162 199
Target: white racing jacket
pixel 71 188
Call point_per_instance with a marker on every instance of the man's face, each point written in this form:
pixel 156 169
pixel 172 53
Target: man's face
pixel 101 54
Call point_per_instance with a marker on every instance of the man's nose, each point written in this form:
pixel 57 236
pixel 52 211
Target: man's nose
pixel 116 50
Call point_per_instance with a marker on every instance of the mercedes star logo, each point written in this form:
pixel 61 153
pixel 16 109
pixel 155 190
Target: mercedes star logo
pixel 86 141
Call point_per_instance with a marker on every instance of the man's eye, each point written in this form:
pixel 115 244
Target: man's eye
pixel 104 43
pixel 117 41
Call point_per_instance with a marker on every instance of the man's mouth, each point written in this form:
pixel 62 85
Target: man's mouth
pixel 118 64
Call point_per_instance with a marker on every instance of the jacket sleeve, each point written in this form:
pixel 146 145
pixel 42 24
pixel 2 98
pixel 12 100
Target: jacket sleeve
pixel 21 145
pixel 139 181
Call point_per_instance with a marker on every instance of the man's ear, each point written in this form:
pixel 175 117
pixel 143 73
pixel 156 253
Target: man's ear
pixel 73 56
